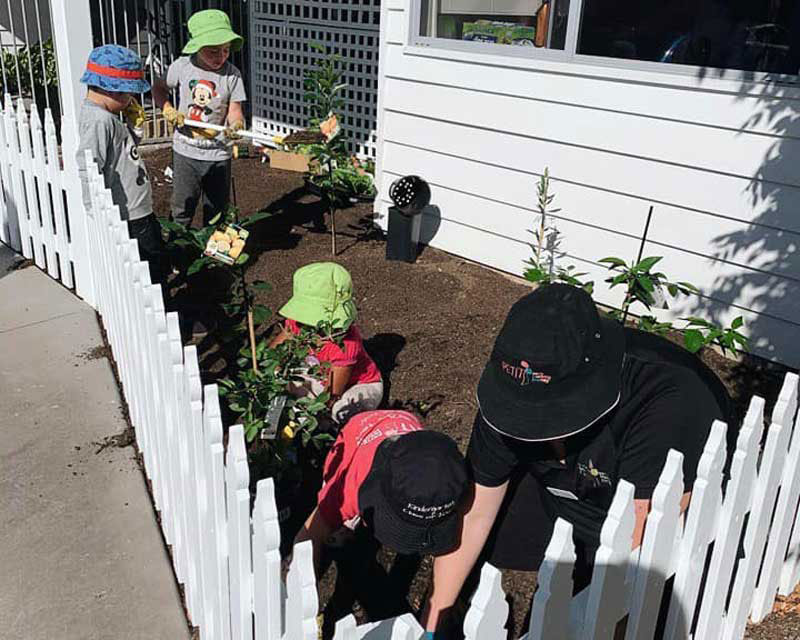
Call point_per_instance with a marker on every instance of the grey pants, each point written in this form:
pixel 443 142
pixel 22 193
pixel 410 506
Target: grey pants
pixel 192 178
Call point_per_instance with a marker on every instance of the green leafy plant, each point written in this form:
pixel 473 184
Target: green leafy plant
pixel 544 265
pixel 642 284
pixel 323 86
pixel 241 307
pixel 39 61
pixel 699 333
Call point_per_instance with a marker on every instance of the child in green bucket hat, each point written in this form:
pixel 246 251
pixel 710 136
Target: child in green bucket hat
pixel 322 298
pixel 210 90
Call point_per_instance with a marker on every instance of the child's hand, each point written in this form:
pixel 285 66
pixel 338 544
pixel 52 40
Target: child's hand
pixel 172 115
pixel 231 132
pixel 134 114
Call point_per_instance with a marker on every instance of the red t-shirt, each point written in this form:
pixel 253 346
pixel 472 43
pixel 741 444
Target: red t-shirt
pixel 350 460
pixel 351 354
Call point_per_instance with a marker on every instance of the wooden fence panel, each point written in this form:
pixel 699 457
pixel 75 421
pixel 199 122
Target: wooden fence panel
pixel 609 589
pixel 551 602
pixel 9 229
pixel 767 587
pixel 764 494
pixel 237 476
pixel 267 601
pixel 301 599
pixel 658 544
pixel 701 523
pixel 488 611
pixel 217 558
pixel 48 236
pixel 29 184
pixel 57 200
pixel 16 182
pixel 735 506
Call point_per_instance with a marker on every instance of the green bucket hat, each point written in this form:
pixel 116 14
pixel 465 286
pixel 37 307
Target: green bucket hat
pixel 321 292
pixel 211 28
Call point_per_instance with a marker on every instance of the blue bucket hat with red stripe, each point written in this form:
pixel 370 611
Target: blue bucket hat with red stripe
pixel 115 68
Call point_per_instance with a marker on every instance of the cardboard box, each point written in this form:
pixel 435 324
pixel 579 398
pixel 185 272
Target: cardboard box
pixel 288 161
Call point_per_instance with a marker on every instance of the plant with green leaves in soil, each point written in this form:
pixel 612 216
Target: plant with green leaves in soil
pixel 241 308
pixel 699 333
pixel 547 252
pixel 323 86
pixel 642 284
pixel 650 288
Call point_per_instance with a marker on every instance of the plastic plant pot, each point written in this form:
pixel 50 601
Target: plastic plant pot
pixel 410 196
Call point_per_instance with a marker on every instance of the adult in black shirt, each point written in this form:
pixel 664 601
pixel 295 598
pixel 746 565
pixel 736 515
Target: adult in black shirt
pixel 569 403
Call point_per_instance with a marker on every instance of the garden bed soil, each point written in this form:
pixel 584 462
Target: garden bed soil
pixel 429 326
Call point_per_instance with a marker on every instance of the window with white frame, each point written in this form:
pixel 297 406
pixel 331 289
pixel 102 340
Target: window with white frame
pixel 742 35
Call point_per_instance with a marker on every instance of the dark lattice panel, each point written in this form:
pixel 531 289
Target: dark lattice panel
pixel 280 36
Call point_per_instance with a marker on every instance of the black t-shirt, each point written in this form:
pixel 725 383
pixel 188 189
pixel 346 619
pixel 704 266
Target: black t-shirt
pixel 665 404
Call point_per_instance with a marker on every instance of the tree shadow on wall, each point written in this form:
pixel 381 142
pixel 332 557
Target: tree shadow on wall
pixel 767 249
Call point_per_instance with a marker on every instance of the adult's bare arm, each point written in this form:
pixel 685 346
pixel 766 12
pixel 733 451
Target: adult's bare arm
pixel 641 508
pixel 451 570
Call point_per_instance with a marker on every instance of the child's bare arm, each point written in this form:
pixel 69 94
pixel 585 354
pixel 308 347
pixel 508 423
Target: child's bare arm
pixel 235 113
pixel 160 93
pixel 282 337
pixel 339 380
pixel 318 531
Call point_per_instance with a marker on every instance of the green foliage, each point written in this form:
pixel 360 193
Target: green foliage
pixel 642 284
pixel 250 394
pixel 547 253
pixel 29 61
pixel 323 85
pixel 699 333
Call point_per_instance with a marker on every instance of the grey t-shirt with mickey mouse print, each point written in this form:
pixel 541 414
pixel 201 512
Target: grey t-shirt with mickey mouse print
pixel 115 150
pixel 205 96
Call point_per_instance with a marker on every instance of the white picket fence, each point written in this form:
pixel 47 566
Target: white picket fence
pixel 225 552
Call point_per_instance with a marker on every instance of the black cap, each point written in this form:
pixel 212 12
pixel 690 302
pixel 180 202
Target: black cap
pixel 555 366
pixel 412 494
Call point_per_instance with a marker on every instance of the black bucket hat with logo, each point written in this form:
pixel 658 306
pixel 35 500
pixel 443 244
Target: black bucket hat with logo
pixel 555 366
pixel 412 494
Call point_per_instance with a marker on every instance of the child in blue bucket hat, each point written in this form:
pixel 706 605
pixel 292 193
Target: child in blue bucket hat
pixel 113 75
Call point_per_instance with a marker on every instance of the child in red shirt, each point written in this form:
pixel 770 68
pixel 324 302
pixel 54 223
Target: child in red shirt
pixel 404 482
pixel 323 295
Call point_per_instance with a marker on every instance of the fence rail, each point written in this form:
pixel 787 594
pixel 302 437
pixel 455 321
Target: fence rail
pixel 725 559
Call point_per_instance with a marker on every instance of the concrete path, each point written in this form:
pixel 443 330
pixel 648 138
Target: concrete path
pixel 81 555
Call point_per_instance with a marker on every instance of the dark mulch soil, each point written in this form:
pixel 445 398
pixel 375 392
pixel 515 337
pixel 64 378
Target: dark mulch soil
pixel 430 327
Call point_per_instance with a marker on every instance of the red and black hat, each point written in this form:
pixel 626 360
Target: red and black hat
pixel 412 494
pixel 555 366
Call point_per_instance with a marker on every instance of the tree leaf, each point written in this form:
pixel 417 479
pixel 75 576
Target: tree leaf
pixel 693 340
pixel 647 263
pixel 614 262
pixel 196 266
pixel 256 217
pixel 243 257
pixel 260 314
pixel 215 220
pixel 737 323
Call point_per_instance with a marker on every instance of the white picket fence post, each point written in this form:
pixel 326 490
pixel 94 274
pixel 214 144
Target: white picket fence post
pixel 267 605
pixel 487 615
pixel 608 591
pixel 784 413
pixel 764 494
pixel 658 544
pixel 700 525
pixel 240 559
pixel 551 602
pixel 301 599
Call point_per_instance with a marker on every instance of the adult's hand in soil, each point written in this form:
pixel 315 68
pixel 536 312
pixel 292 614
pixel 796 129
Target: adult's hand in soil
pixel 451 570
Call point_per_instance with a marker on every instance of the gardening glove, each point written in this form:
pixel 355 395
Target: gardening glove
pixel 135 116
pixel 172 115
pixel 208 134
pixel 231 131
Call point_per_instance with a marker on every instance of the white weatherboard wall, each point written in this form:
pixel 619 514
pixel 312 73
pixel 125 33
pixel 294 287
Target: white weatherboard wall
pixel 716 158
